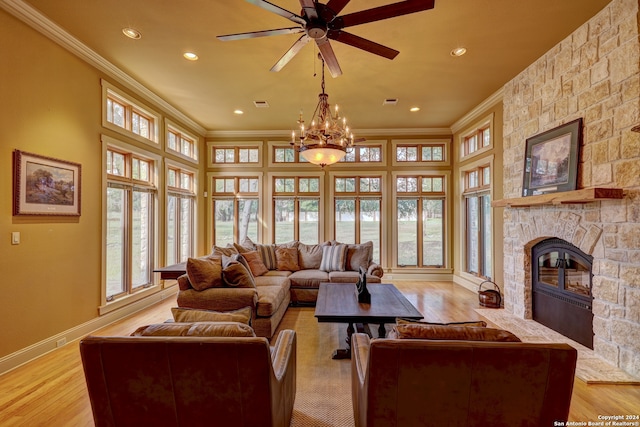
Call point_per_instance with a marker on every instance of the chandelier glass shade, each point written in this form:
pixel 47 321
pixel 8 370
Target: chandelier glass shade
pixel 326 140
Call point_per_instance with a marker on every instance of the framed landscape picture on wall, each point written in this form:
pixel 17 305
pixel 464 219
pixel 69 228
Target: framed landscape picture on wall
pixel 45 186
pixel 551 160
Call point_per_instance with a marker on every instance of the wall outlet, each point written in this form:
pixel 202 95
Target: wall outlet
pixel 62 341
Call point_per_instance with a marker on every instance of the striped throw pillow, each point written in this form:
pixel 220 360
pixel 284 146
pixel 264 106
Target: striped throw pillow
pixel 268 255
pixel 333 258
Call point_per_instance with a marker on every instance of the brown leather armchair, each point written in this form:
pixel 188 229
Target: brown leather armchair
pixel 409 382
pixel 190 381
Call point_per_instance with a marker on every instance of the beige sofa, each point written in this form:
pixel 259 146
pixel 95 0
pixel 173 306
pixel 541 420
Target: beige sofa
pixel 285 274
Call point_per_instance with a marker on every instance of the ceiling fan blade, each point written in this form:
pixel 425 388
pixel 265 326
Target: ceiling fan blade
pixel 279 11
pixel 293 50
pixel 337 5
pixel 383 12
pixel 364 44
pixel 254 34
pixel 329 56
pixel 309 8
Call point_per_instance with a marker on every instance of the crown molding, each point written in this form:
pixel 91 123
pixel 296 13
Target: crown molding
pixel 286 134
pixel 478 111
pixel 36 20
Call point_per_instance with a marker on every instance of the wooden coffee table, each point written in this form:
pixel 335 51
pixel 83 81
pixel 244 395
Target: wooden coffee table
pixel 338 303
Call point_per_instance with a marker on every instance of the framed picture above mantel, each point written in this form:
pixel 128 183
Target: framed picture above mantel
pixel 45 186
pixel 551 160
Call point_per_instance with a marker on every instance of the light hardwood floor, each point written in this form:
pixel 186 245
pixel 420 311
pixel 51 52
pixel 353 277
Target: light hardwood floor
pixel 51 391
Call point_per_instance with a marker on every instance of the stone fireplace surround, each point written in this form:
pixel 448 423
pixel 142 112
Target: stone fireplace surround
pixel 595 74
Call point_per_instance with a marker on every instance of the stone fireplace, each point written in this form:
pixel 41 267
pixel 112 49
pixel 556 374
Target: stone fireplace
pixel 593 74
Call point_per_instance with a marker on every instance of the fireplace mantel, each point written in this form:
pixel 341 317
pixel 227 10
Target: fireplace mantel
pixel 586 195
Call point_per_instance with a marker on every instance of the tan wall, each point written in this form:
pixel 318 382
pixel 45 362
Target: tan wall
pixel 51 106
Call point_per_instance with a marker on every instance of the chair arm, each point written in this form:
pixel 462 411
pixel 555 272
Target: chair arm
pixel 360 355
pixel 219 299
pixel 283 352
pixel 375 270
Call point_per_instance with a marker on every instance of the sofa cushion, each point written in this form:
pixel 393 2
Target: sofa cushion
pixel 238 276
pixel 443 332
pixel 227 251
pixel 271 280
pixel 268 255
pixel 333 258
pixel 256 265
pixel 269 299
pixel 195 329
pixel 184 283
pixel 287 259
pixel 308 278
pixel 242 315
pixel 359 256
pixel 204 272
pixel 309 256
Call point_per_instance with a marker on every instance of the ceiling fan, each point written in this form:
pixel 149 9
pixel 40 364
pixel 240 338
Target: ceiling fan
pixel 320 22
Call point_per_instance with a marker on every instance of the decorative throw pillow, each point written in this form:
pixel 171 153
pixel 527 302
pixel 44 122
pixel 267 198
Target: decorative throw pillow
pixel 309 256
pixel 287 259
pixel 463 333
pixel 195 329
pixel 238 276
pixel 204 272
pixel 228 260
pixel 359 256
pixel 268 255
pixel 256 265
pixel 181 314
pixel 183 282
pixel 228 251
pixel 333 258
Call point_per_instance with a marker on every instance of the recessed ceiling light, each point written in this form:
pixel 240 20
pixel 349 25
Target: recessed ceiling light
pixel 459 51
pixel 414 109
pixel 132 33
pixel 190 56
pixel 238 112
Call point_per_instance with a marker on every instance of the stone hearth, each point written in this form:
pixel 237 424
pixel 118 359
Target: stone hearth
pixel 593 74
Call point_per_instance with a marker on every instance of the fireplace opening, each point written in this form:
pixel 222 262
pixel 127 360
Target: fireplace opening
pixel 562 299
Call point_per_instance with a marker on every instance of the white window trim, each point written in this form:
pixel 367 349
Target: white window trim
pixel 447 217
pixel 444 141
pixel 210 195
pixel 170 125
pixel 472 130
pixel 107 306
pixel 270 194
pixel 384 220
pixel 108 88
pixel 228 144
pixel 167 165
pixel 462 243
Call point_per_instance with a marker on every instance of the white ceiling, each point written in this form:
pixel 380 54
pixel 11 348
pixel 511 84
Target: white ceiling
pixel 502 37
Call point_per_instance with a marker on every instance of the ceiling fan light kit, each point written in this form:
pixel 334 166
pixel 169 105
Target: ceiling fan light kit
pixel 321 23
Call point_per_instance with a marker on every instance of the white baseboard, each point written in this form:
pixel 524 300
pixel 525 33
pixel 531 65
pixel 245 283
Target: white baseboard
pixel 27 354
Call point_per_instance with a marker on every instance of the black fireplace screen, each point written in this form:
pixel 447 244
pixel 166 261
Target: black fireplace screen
pixel 561 288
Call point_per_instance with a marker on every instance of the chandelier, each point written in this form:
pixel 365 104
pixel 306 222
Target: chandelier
pixel 328 138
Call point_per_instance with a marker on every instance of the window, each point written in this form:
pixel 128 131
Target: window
pixel 236 202
pixel 478 228
pixel 363 154
pixel 126 116
pixel 130 221
pixel 358 210
pixel 235 155
pixel 180 215
pixel 478 139
pixel 296 209
pixel 181 143
pixel 420 153
pixel 420 216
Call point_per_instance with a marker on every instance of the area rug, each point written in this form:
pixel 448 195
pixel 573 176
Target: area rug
pixel 590 368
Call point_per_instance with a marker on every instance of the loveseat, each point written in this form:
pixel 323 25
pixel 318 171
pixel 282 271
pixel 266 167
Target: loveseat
pixel 440 382
pixel 191 375
pixel 268 278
